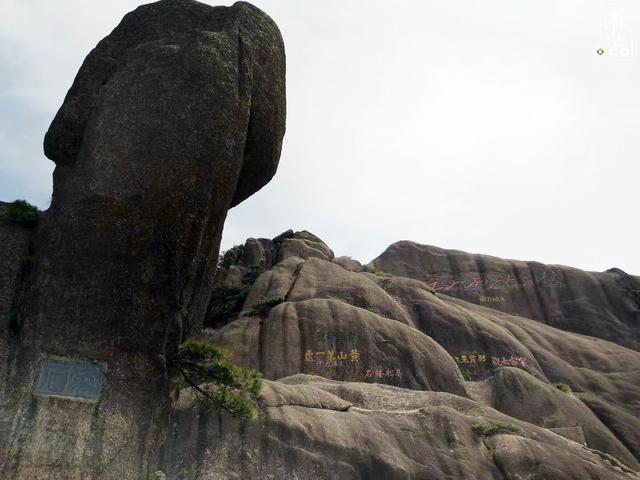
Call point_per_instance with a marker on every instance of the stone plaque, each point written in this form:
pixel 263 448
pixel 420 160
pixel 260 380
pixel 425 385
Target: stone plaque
pixel 69 378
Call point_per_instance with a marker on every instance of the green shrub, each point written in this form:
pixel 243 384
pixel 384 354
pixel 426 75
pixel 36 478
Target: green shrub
pixel 264 305
pixel 491 454
pixel 216 382
pixel 488 429
pixel 252 275
pixel 465 374
pixel 381 273
pixel 562 387
pixel 21 213
pixel 226 302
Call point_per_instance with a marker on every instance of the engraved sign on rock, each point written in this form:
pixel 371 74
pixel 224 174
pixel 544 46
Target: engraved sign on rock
pixel 72 379
pixel 474 281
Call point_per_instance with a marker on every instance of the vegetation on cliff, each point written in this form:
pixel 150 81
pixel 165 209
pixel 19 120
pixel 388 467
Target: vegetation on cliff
pixel 489 429
pixel 562 387
pixel 215 381
pixel 227 299
pixel 20 212
pixel 265 304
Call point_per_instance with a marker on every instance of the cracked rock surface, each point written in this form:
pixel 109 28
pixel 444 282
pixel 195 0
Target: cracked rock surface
pixel 430 364
pixel 173 118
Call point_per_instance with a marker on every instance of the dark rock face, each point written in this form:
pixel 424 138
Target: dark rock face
pixel 176 116
pixel 173 118
pixel 376 375
pixel 604 305
pixel 15 242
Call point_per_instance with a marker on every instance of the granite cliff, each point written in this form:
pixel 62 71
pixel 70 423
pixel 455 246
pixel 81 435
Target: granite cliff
pixel 424 364
pixel 378 374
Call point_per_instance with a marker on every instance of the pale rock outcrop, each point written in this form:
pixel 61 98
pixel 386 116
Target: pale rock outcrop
pixel 264 253
pixel 510 363
pixel 348 263
pixel 280 344
pixel 604 305
pixel 372 431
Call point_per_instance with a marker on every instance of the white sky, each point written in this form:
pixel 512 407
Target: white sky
pixel 488 126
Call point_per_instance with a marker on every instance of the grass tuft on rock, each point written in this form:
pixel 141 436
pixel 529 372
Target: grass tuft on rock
pixel 381 273
pixel 491 454
pixel 465 374
pixel 563 387
pixel 20 212
pixel 489 429
pixel 264 305
pixel 216 382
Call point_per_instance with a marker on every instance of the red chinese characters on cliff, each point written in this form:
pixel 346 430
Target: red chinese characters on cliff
pixel 511 361
pixel 473 281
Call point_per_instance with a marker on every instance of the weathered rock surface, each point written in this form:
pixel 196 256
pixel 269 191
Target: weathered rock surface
pixel 266 253
pixel 403 409
pixel 604 305
pixel 312 428
pixel 348 263
pixel 173 118
pixel 14 264
pixel 388 371
pixel 278 346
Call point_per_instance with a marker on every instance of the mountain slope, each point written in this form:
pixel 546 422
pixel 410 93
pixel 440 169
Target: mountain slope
pixel 376 374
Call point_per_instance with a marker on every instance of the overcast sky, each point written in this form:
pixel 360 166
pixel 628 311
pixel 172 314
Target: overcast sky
pixel 487 126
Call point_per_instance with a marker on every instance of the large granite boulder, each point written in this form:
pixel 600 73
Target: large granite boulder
pixel 175 117
pixel 264 253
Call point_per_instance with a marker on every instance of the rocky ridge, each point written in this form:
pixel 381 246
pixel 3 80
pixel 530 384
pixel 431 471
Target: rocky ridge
pixel 374 374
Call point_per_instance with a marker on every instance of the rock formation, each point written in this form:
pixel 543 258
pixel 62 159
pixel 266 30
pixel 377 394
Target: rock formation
pixel 424 364
pixel 604 305
pixel 379 375
pixel 173 118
